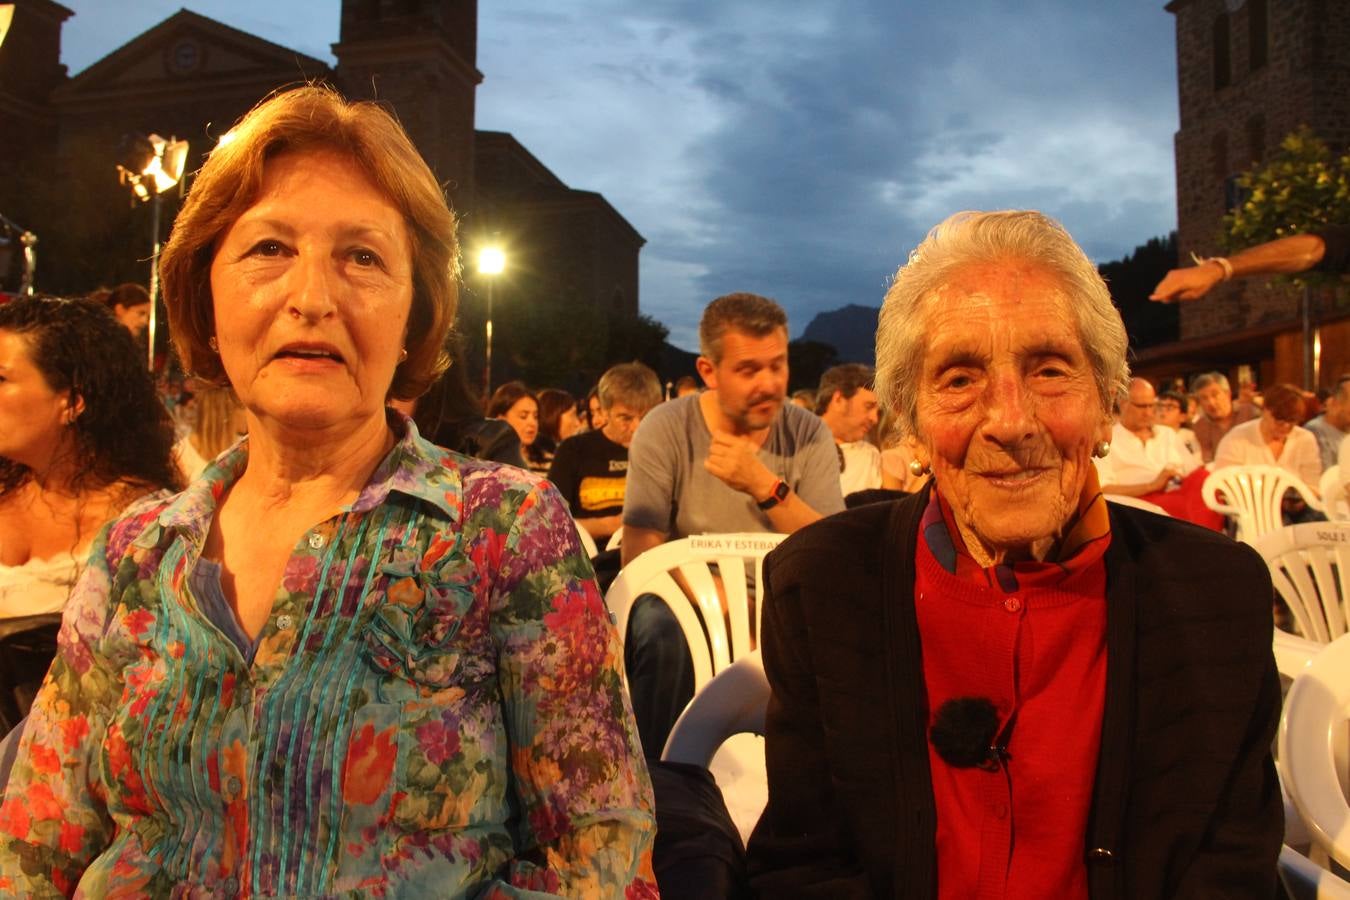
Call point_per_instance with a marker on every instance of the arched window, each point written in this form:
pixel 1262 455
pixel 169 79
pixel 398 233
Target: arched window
pixel 1223 63
pixel 1258 37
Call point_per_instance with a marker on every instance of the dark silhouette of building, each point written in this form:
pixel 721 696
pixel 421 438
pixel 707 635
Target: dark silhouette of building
pixel 191 77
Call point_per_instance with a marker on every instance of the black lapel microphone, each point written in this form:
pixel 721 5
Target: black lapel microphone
pixel 965 734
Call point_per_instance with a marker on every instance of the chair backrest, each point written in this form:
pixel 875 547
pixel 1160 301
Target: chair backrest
pixel 733 702
pixel 1310 568
pixel 1253 495
pixel 1334 502
pixel 587 542
pixel 739 563
pixel 1311 749
pixel 615 539
pixel 1304 879
pixel 1136 503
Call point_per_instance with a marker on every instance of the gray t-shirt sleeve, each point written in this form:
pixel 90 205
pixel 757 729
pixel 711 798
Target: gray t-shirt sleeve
pixel 648 499
pixel 818 467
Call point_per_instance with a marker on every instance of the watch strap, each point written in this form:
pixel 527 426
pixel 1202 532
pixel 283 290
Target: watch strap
pixel 776 496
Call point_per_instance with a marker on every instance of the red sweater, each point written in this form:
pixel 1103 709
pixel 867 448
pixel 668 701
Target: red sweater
pixel 1037 651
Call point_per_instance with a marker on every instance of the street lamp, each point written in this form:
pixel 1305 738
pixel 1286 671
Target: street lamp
pixel 150 166
pixel 491 262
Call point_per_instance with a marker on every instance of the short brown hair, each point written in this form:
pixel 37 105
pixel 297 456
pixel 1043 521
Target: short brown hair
pixel 631 384
pixel 755 315
pixel 1285 402
pixel 311 118
pixel 846 379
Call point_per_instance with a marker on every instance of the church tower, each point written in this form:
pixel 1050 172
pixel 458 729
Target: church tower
pixel 420 58
pixel 1248 73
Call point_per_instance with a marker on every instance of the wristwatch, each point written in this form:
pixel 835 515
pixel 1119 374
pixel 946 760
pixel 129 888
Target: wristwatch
pixel 776 496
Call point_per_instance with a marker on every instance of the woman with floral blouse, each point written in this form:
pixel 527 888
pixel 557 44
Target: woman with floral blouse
pixel 343 661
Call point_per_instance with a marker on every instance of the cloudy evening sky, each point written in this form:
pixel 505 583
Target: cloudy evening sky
pixel 798 148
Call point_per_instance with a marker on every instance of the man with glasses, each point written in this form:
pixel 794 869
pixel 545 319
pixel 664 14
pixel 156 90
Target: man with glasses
pixel 1149 462
pixel 591 469
pixel 1171 411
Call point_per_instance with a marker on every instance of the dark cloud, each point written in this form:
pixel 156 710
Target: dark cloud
pixel 800 149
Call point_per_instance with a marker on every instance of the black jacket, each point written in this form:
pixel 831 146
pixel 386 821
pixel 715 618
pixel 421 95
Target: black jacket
pixel 1186 801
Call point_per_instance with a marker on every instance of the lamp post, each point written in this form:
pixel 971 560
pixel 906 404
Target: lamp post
pixel 491 262
pixel 150 166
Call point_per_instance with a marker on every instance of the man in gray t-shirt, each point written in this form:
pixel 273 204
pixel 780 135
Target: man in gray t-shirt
pixel 671 490
pixel 736 457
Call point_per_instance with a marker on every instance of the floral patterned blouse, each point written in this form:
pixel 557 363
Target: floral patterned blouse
pixel 434 709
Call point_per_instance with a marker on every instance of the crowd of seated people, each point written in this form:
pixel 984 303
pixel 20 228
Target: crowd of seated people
pixel 342 638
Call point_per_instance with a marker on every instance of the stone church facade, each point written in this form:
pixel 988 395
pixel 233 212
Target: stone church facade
pixel 191 77
pixel 1250 72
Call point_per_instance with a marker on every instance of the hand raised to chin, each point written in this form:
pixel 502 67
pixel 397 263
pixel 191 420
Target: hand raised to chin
pixel 735 460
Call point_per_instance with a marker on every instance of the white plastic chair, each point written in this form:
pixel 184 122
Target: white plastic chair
pixel 733 702
pixel 712 645
pixel 1311 760
pixel 1252 494
pixel 1136 503
pixel 615 539
pixel 1293 653
pixel 1310 568
pixel 587 542
pixel 721 729
pixel 1334 502
pixel 1303 879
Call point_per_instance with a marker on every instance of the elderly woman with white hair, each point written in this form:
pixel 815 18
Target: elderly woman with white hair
pixel 1001 686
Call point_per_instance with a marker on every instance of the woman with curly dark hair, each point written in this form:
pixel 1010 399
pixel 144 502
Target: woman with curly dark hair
pixel 82 435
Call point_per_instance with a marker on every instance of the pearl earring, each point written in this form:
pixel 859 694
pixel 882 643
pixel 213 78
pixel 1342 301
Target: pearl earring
pixel 1101 449
pixel 213 344
pixel 917 468
pixel 403 354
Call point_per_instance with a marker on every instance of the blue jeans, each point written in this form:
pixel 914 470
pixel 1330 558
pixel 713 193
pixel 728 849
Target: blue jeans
pixel 660 671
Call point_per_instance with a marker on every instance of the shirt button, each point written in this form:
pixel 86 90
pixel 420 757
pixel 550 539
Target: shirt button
pixel 1012 604
pixel 233 785
pixel 315 540
pixel 284 623
pixel 231 886
pixel 1001 810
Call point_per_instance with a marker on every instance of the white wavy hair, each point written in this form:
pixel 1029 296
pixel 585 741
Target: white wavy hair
pixel 976 237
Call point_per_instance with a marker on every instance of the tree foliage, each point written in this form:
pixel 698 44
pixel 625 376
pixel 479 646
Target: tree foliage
pixel 1131 280
pixel 1300 188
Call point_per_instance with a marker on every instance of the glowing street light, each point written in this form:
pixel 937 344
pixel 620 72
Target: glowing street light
pixel 151 165
pixel 491 262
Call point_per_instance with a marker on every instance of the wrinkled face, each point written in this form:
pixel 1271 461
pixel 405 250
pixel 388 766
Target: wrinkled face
pixel 1169 413
pixel 312 287
pixel 33 417
pixel 133 318
pixel 1138 410
pixel 1215 401
pixel 851 418
pixel 1008 409
pixel 622 424
pixel 523 416
pixel 751 378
